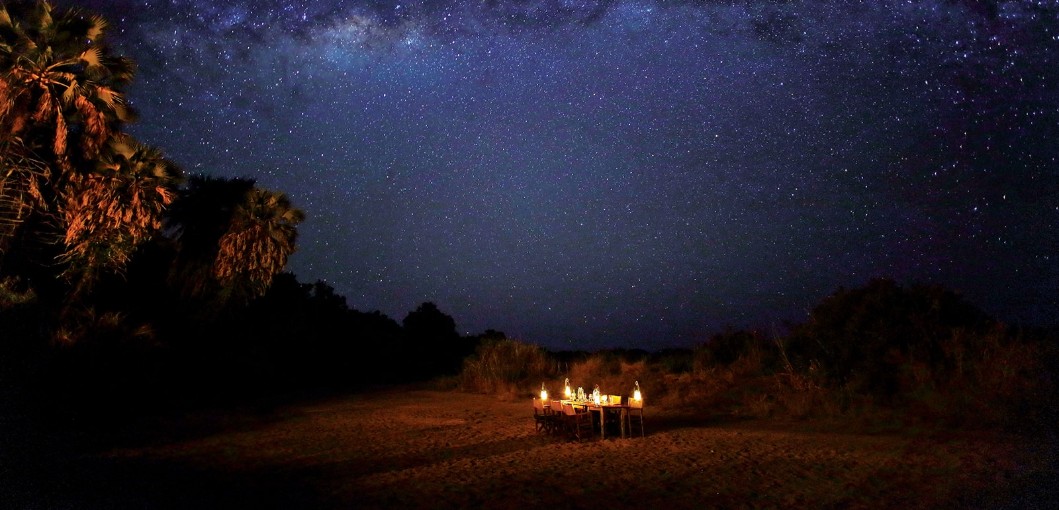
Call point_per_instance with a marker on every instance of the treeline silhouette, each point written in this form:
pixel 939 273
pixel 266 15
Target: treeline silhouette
pixel 139 350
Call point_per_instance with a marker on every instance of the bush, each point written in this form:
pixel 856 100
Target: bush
pixel 505 366
pixel 862 337
pixel 992 379
pixel 614 375
pixel 725 348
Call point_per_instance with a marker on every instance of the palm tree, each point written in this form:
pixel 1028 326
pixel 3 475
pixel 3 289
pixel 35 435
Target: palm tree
pixel 233 238
pixel 197 220
pixel 109 212
pixel 61 99
pixel 258 242
pixel 23 175
pixel 59 80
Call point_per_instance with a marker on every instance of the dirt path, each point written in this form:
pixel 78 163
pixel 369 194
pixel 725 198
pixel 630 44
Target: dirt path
pixel 420 449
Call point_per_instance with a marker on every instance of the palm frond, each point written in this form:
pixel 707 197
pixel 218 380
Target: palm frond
pixel 110 97
pixel 44 19
pixel 60 134
pixel 5 18
pixel 70 93
pixel 97 25
pixel 121 70
pixel 92 57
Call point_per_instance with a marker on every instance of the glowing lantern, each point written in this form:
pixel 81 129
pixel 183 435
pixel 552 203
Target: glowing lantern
pixel 636 395
pixel 544 393
pixel 596 395
pixel 568 392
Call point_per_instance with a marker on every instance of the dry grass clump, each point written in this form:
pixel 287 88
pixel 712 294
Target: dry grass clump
pixel 990 379
pixel 613 375
pixel 504 367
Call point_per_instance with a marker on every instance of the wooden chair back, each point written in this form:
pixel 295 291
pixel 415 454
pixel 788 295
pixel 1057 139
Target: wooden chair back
pixel 635 415
pixel 538 406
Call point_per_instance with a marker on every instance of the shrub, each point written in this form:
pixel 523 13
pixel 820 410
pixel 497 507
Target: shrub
pixel 725 348
pixel 863 336
pixel 993 378
pixel 504 366
pixel 614 375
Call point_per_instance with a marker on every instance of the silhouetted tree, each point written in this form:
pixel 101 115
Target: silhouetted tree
pixel 428 324
pixel 491 334
pixel 375 345
pixel 862 336
pixel 433 342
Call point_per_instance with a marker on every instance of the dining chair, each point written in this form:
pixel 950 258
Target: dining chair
pixel 540 417
pixel 635 411
pixel 555 411
pixel 578 421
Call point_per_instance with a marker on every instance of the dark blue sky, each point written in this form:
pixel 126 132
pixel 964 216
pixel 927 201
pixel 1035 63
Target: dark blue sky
pixel 590 173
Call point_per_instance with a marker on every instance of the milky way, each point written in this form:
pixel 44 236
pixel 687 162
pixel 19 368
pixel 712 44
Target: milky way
pixel 625 173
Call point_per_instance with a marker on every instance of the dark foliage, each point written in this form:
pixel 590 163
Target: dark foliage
pixel 862 336
pixel 726 347
pixel 674 361
pixel 432 345
pixel 198 220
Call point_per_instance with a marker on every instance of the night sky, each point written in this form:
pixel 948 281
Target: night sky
pixel 604 173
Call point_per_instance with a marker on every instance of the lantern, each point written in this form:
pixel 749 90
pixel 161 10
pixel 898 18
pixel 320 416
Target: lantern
pixel 544 393
pixel 636 395
pixel 568 393
pixel 596 395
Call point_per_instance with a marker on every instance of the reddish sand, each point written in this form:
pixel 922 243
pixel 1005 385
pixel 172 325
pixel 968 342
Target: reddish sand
pixel 427 449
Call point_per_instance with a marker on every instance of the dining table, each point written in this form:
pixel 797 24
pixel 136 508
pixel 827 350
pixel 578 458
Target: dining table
pixel 603 408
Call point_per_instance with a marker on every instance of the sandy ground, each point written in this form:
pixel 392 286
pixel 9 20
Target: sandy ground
pixel 427 449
